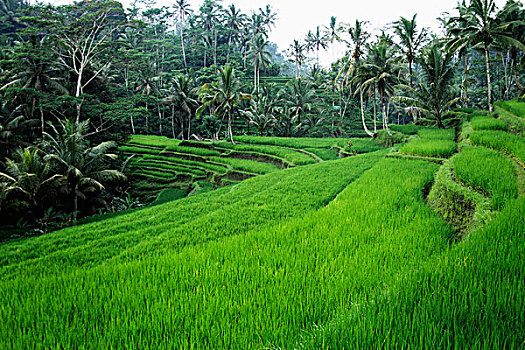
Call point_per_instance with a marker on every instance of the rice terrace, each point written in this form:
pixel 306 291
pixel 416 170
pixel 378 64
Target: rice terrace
pixel 220 174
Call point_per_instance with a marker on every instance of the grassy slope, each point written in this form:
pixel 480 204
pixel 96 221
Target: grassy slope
pixel 252 290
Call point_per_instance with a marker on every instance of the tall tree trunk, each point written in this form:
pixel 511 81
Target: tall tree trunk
pixel 215 48
pixel 75 203
pixel 42 122
pixel 132 124
pixel 229 49
pixel 77 95
pixel 375 111
pixel 189 126
pixel 465 69
pixel 504 60
pixel 363 114
pixel 160 118
pixel 383 107
pixel 147 126
pixel 173 121
pixel 489 86
pixel 518 84
pixel 410 72
pixel 182 42
pixel 230 128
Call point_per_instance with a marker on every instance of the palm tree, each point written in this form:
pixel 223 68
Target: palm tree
pixel 410 40
pixel 484 28
pixel 268 17
pixel 83 167
pixel 299 98
pixel 222 96
pixel 182 7
pixel 332 33
pixel 384 69
pixel 37 72
pixel 296 52
pixel 27 180
pixel 182 96
pixel 316 41
pixel 260 56
pixel 234 22
pixel 147 84
pixel 358 38
pixel 434 96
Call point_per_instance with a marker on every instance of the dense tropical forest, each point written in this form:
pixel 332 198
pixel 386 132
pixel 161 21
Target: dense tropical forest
pixel 171 178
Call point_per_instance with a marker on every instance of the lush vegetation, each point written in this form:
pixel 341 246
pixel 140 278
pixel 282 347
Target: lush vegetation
pixel 170 179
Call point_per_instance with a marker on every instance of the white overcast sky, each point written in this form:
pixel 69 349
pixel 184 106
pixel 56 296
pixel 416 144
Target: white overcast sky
pixel 296 17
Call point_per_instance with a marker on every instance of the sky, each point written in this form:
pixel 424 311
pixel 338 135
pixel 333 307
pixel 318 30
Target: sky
pixel 297 17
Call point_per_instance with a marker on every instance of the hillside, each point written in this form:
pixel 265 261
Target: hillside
pixel 418 246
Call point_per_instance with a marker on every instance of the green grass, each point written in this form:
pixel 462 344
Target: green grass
pixel 247 165
pixel 409 129
pixel 193 220
pixel 154 141
pixel 437 134
pixel 488 123
pixel 487 171
pixel 297 142
pixel 259 289
pixel 516 125
pixel 471 296
pixel 323 153
pixel 289 154
pixel 515 107
pixel 429 147
pixel 501 141
pixel 168 195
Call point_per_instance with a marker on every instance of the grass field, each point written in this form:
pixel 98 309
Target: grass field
pixel 362 252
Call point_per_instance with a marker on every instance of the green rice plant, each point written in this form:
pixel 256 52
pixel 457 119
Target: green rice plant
pixel 488 123
pixel 294 142
pixel 430 148
pixel 502 141
pixel 437 134
pixel 324 153
pixel 155 141
pixel 516 125
pixel 193 150
pixel 462 207
pixel 169 166
pixel 513 106
pixel 409 129
pixel 470 296
pixel 247 165
pixel 294 156
pixel 275 282
pixel 169 195
pixel 364 145
pixel 196 219
pixel 139 150
pixel 487 171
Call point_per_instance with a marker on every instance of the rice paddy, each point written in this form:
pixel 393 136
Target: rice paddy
pixel 279 243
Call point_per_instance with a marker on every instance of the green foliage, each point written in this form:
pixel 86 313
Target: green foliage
pixel 415 312
pixel 430 147
pixel 409 129
pixel 515 107
pixel 487 171
pixel 437 134
pixel 168 195
pixel 501 141
pixel 488 123
pixel 314 262
pixel 247 165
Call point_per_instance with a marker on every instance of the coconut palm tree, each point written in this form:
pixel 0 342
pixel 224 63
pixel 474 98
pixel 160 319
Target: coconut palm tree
pixel 37 72
pixel 223 96
pixel 296 52
pixel 83 167
pixel 27 180
pixel 410 40
pixel 260 56
pixel 484 27
pixel 384 68
pixel 182 7
pixel 234 23
pixel 299 98
pixel 316 41
pixel 182 97
pixel 434 95
pixel 268 17
pixel 332 34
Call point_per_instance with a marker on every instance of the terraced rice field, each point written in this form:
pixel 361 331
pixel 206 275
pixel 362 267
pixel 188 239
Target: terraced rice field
pixel 192 166
pixel 362 252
